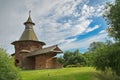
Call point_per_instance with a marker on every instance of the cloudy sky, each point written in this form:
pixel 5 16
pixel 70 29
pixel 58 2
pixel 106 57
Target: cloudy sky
pixel 72 24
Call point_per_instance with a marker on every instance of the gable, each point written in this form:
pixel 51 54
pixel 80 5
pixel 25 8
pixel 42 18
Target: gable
pixel 56 49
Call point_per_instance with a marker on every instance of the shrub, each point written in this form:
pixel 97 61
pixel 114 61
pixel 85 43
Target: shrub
pixel 75 65
pixel 69 66
pixel 7 69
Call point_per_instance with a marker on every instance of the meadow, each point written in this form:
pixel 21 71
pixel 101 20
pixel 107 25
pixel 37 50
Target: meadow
pixel 82 73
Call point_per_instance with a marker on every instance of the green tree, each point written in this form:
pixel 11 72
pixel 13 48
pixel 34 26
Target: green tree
pixel 112 16
pixel 90 54
pixel 67 54
pixel 95 45
pixel 76 52
pixel 101 60
pixel 114 58
pixel 89 58
pixel 60 59
pixel 74 58
pixel 108 57
pixel 7 69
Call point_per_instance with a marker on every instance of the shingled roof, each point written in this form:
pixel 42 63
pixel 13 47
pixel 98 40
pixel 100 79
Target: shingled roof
pixel 54 48
pixel 29 34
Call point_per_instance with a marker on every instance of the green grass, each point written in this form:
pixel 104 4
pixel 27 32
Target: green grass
pixel 83 73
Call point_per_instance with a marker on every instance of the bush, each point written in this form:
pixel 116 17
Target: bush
pixel 7 69
pixel 75 65
pixel 69 66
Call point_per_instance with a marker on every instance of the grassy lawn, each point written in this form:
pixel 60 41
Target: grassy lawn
pixel 83 73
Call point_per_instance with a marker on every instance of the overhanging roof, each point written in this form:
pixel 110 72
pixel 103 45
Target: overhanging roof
pixel 40 42
pixel 54 48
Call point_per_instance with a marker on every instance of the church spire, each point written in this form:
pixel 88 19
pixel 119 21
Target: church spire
pixel 29 20
pixel 29 33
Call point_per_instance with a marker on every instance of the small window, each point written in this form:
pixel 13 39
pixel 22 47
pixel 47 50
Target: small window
pixel 16 62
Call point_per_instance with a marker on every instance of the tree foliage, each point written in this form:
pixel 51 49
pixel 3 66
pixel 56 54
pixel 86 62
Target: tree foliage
pixel 91 53
pixel 108 57
pixel 72 58
pixel 7 69
pixel 112 16
pixel 89 58
pixel 95 45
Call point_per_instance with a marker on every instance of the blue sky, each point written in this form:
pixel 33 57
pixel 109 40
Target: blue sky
pixel 72 24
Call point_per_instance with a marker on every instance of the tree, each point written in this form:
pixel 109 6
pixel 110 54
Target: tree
pixel 7 68
pixel 67 54
pixel 112 16
pixel 90 54
pixel 60 59
pixel 89 58
pixel 101 60
pixel 114 58
pixel 108 57
pixel 73 58
pixel 95 45
pixel 76 52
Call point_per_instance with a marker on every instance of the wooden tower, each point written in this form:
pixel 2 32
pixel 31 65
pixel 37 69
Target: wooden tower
pixel 29 52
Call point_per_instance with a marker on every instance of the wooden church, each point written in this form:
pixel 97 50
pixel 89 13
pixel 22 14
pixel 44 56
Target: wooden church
pixel 29 51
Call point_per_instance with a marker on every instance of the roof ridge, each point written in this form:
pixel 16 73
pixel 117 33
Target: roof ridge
pixel 50 46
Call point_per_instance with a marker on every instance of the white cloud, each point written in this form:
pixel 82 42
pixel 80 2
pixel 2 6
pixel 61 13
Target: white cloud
pixel 92 29
pixel 46 14
pixel 49 26
pixel 103 31
pixel 83 44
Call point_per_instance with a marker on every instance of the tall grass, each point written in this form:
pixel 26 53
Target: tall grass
pixel 108 74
